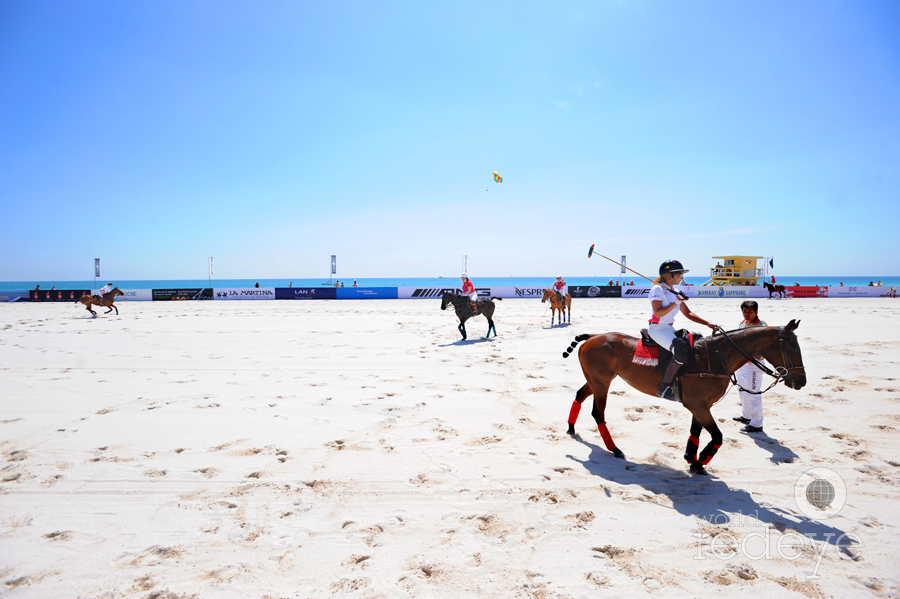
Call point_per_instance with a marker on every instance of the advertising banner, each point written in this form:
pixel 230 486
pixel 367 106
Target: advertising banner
pixel 135 295
pixel 594 291
pixel 14 296
pixel 635 291
pixel 195 293
pixel 57 295
pixel 239 293
pixel 366 292
pixel 806 291
pixel 436 292
pixel 864 291
pixel 725 291
pixel 303 293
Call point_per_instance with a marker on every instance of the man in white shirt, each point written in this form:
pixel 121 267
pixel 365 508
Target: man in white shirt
pixel 105 289
pixel 749 377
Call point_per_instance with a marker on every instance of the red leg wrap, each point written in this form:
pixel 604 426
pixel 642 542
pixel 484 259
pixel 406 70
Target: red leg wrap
pixel 694 440
pixel 573 413
pixel 705 459
pixel 607 438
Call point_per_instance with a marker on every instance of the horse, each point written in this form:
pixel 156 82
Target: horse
pixel 557 305
pixel 604 357
pixel 779 289
pixel 106 301
pixel 464 310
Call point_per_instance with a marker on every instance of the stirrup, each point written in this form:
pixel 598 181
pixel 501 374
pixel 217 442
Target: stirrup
pixel 668 392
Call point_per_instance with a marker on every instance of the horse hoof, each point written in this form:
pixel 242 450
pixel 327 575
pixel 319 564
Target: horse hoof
pixel 698 469
pixel 571 430
pixel 690 459
pixel 618 453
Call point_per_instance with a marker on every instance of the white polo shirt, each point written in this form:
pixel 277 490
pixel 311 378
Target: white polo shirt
pixel 666 297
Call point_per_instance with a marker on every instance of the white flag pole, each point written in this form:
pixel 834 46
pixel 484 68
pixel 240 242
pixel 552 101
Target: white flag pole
pixel 212 271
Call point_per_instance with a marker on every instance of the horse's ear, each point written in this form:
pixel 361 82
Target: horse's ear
pixel 792 326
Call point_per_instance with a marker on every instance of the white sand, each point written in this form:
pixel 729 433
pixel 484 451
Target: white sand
pixel 354 448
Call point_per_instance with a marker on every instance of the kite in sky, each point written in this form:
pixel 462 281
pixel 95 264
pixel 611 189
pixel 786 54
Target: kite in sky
pixel 497 177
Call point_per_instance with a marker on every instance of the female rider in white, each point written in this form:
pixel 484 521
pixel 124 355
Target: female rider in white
pixel 667 301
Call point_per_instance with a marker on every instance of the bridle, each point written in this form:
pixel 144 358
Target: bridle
pixel 785 372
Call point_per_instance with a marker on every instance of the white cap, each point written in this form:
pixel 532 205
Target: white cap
pixel 465 274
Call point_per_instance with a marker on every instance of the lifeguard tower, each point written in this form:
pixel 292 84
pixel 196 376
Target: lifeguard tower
pixel 735 270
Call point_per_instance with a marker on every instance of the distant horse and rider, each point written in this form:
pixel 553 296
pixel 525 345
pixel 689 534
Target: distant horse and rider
pixel 775 289
pixel 559 303
pixel 107 301
pixel 465 310
pixel 604 357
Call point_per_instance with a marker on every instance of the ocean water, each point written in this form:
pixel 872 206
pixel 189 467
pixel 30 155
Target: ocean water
pixel 418 282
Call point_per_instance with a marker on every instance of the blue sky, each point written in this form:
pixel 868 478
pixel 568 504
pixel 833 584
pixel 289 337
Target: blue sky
pixel 271 135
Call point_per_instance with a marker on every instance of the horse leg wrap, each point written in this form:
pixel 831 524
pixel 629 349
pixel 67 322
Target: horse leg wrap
pixel 607 438
pixel 708 453
pixel 690 454
pixel 573 413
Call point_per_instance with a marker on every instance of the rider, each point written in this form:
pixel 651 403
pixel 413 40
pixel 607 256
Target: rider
pixel 558 287
pixel 104 290
pixel 469 289
pixel 667 300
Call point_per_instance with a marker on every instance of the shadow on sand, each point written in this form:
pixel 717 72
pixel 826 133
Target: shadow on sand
pixel 468 342
pixel 707 497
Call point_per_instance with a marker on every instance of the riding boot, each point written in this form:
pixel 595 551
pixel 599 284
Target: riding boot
pixel 474 307
pixel 666 388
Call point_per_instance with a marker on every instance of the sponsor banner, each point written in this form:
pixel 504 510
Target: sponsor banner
pixel 302 293
pixel 506 292
pixel 57 295
pixel 15 296
pixel 595 291
pixel 863 291
pixel 366 292
pixel 135 295
pixel 436 292
pixel 805 291
pixel 239 293
pixel 725 291
pixel 195 293
pixel 635 291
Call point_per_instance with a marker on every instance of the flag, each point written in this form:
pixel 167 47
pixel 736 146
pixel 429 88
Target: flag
pixel 623 265
pixel 212 270
pixel 333 264
pixel 772 262
pixel 96 267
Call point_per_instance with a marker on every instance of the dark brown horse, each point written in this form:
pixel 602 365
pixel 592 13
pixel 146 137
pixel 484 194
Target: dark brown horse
pixel 464 311
pixel 779 289
pixel 106 301
pixel 557 305
pixel 604 357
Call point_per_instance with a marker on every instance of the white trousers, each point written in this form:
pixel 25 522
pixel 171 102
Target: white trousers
pixel 664 334
pixel 750 377
pixel 474 296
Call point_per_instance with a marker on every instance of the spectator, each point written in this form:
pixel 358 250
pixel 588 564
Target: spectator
pixel 342 284
pixel 871 284
pixel 841 283
pixel 354 283
pixel 257 285
pixel 749 377
pixel 53 288
pixel 37 288
pixel 291 284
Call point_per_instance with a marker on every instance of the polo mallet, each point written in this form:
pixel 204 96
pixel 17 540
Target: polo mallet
pixel 680 294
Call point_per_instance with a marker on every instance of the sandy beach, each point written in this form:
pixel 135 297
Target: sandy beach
pixel 359 449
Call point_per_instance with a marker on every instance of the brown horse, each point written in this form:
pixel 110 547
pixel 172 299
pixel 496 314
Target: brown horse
pixel 557 305
pixel 106 301
pixel 604 357
pixel 779 289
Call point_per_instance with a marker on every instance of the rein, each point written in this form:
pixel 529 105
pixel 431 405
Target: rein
pixel 780 372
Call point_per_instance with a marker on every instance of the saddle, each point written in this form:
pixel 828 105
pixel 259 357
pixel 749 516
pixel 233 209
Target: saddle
pixel 649 353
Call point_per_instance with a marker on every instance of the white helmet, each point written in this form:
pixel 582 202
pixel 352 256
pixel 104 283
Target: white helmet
pixel 465 274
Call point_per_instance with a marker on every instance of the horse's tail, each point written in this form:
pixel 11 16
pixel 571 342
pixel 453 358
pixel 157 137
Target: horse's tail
pixel 578 340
